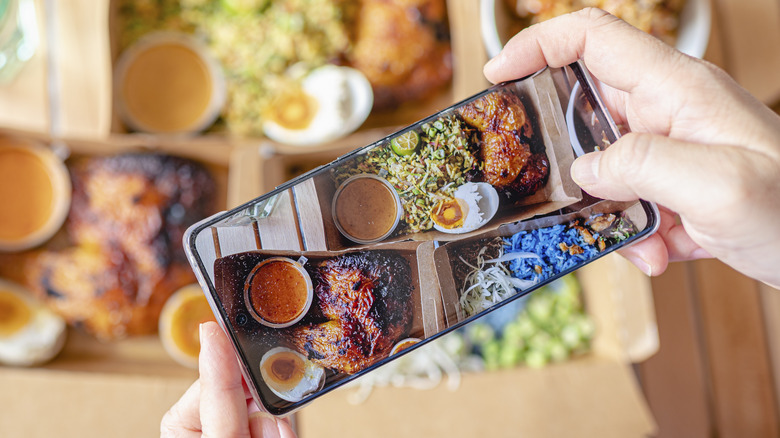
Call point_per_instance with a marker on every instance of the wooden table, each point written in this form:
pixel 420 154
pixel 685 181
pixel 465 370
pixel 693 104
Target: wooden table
pixel 717 372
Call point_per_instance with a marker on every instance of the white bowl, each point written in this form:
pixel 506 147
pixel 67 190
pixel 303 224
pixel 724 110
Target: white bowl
pixel 693 33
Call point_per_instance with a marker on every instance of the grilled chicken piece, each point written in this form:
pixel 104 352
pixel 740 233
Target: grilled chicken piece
pixel 510 160
pixel 362 308
pixel 498 111
pixel 127 218
pixel 403 49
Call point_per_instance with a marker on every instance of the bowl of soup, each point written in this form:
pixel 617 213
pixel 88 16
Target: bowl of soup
pixel 278 292
pixel 366 209
pixel 35 193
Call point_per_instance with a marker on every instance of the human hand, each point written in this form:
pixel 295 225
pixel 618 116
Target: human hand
pixel 219 403
pixel 701 146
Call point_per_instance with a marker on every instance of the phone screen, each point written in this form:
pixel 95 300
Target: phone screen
pixel 396 243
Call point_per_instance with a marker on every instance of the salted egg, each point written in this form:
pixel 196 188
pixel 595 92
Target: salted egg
pixel 30 334
pixel 472 206
pixel 290 375
pixel 332 102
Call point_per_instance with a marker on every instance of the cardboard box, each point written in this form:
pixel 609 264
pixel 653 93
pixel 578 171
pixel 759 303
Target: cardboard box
pixel 124 388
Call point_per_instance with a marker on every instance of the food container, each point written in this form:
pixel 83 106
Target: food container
pixel 168 83
pixel 692 34
pixel 35 190
pixel 278 292
pixel 366 209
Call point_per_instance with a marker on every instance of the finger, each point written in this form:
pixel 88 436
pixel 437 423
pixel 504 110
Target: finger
pixel 223 411
pixel 183 419
pixel 669 172
pixel 614 51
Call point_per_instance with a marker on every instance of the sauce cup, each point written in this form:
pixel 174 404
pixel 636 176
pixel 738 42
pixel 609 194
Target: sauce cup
pixel 359 206
pixel 278 292
pixel 35 192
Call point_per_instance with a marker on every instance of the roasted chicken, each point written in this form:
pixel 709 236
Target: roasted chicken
pixel 128 215
pixel 362 308
pixel 403 48
pixel 512 161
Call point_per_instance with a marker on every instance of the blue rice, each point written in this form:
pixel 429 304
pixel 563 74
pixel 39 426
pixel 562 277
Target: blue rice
pixel 545 242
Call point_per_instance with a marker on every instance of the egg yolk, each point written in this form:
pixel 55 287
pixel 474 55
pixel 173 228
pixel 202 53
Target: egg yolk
pixel 293 110
pixel 186 321
pixel 286 369
pixel 14 314
pixel 449 214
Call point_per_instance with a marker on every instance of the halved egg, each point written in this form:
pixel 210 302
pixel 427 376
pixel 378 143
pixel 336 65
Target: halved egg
pixel 30 334
pixel 332 101
pixel 180 321
pixel 290 375
pixel 471 207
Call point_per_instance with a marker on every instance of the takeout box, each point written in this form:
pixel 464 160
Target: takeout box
pixel 123 388
pixel 119 388
pixel 86 48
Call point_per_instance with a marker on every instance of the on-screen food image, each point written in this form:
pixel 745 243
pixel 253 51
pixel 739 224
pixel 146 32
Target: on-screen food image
pixel 457 217
pixel 278 292
pixel 362 309
pixel 501 267
pixel 123 260
pixel 366 208
pixel 290 375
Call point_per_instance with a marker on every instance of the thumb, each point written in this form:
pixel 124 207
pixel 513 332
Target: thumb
pixel 673 173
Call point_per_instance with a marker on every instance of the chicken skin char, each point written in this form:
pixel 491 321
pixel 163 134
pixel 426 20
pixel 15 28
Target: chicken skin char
pixel 362 308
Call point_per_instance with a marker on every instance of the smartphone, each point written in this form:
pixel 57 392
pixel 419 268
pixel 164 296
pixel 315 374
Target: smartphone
pixel 386 248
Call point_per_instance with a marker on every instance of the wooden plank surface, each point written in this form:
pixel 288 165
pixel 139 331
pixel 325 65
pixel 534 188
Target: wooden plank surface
pixel 674 379
pixel 743 401
pixel 310 216
pixel 280 230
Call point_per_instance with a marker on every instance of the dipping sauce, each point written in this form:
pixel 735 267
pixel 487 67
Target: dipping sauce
pixel 34 194
pixel 278 292
pixel 167 86
pixel 366 209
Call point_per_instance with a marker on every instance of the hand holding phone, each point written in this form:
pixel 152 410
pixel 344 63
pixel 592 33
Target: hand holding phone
pixel 348 266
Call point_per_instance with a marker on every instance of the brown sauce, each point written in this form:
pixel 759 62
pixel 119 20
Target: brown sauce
pixel 366 209
pixel 26 193
pixel 278 292
pixel 285 369
pixel 167 88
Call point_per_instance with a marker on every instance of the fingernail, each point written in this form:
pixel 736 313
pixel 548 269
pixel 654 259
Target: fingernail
pixel 700 253
pixel 640 263
pixel 492 63
pixel 585 169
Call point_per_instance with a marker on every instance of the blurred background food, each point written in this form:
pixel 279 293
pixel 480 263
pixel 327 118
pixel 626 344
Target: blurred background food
pixel 180 321
pixel 121 255
pixel 717 339
pixel 266 47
